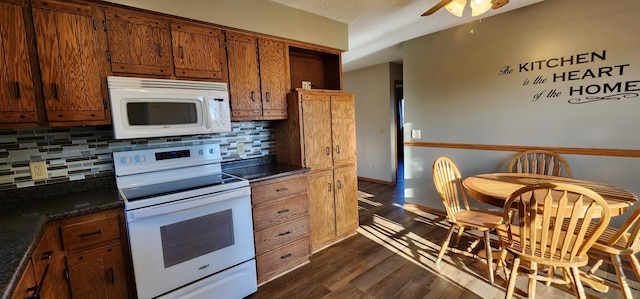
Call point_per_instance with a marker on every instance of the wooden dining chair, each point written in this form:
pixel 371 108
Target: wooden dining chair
pixel 554 227
pixel 446 178
pixel 618 247
pixel 539 162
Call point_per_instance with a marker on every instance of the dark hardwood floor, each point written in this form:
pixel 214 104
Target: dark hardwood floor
pixel 393 255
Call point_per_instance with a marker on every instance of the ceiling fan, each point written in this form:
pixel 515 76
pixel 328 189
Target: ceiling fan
pixel 478 6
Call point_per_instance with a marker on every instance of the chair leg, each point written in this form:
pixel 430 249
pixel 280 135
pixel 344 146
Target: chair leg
pixel 635 265
pixel 575 275
pixel 512 278
pixel 445 244
pixel 622 279
pixel 459 235
pixel 487 245
pixel 533 270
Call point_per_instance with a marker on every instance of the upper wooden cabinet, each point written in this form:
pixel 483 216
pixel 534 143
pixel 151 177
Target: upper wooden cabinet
pixel 17 98
pixel 257 77
pixel 320 133
pixel 69 52
pixel 198 51
pixel 138 43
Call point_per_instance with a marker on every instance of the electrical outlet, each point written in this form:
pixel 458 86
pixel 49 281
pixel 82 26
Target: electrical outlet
pixel 240 147
pixel 38 170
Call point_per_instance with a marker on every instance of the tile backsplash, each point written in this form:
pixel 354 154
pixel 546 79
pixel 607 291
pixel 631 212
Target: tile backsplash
pixel 78 153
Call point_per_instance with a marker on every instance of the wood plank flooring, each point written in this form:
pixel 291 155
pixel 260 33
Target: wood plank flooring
pixel 393 255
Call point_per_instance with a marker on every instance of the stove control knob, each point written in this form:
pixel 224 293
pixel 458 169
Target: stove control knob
pixel 200 152
pixel 140 158
pixel 125 160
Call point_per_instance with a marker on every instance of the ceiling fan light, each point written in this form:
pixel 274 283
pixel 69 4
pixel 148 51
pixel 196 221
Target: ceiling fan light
pixel 456 7
pixel 479 7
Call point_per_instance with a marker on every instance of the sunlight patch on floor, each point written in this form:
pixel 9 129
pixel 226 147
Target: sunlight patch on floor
pixel 423 252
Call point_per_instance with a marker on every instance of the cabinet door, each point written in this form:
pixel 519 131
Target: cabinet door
pixel 322 213
pixel 98 273
pixel 244 78
pixel 343 119
pixel 316 111
pixel 273 79
pixel 67 42
pixel 17 99
pixel 138 44
pixel 346 183
pixel 49 253
pixel 198 51
pixel 26 283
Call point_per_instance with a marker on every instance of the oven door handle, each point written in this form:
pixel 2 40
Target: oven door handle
pixel 188 203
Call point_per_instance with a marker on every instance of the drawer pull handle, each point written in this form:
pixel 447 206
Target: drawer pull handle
pixel 284 234
pixel 283 211
pixel 91 234
pixel 288 255
pixel 46 255
pixel 282 190
pixel 203 267
pixel 110 276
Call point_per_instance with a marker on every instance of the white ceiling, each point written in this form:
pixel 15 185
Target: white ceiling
pixel 377 28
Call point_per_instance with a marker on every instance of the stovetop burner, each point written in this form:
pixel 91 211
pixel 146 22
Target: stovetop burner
pixel 181 185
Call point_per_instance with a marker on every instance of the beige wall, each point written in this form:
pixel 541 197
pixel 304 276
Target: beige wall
pixel 375 127
pixel 260 16
pixel 454 92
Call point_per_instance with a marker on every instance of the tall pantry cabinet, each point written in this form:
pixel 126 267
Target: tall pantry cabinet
pixel 320 134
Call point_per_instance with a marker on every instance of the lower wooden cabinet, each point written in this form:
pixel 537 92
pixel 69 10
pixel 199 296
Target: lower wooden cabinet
pixel 98 273
pixel 80 257
pixel 44 276
pixel 333 205
pixel 281 225
pixel 96 264
pixel 27 285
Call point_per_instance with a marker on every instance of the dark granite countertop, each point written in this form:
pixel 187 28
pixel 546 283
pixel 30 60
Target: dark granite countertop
pixel 261 169
pixel 22 219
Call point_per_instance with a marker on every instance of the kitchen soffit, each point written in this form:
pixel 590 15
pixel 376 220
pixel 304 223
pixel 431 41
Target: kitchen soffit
pixel 377 28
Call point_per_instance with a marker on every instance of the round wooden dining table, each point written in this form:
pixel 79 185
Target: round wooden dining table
pixel 495 188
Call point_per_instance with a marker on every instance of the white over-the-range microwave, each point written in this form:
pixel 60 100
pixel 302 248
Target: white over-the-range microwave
pixel 143 108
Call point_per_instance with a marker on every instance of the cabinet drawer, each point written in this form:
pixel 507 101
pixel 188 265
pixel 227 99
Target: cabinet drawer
pixel 282 189
pixel 282 259
pixel 282 234
pixel 280 212
pixel 90 232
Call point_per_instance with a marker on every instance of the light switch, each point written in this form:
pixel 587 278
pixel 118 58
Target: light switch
pixel 416 134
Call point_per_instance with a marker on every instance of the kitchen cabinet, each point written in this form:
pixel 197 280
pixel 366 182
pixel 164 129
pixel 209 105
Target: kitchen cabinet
pixel 281 225
pixel 17 97
pixel 96 263
pixel 257 77
pixel 320 134
pixel 44 276
pixel 138 43
pixel 69 51
pixel 198 51
pixel 27 284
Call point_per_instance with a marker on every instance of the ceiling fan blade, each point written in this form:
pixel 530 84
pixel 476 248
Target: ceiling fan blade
pixel 499 3
pixel 435 8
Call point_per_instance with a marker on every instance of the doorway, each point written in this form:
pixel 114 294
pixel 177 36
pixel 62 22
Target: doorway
pixel 399 120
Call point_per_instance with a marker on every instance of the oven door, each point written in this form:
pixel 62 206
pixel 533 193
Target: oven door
pixel 177 243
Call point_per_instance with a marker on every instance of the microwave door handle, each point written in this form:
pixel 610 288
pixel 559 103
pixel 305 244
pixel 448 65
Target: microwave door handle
pixel 207 113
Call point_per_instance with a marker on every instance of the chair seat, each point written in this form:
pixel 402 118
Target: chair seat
pixel 516 248
pixel 620 247
pixel 479 220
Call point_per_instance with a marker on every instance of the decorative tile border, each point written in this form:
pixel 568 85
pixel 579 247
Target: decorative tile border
pixel 78 153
